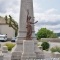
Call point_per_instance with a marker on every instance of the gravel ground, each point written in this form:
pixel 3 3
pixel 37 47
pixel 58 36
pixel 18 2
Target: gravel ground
pixel 7 56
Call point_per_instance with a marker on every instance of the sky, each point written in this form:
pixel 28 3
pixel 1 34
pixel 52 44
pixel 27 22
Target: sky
pixel 46 12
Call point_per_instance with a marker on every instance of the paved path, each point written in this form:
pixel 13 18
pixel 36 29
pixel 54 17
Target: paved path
pixel 7 56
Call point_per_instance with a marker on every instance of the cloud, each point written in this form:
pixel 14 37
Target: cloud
pixel 49 18
pixel 10 7
pixel 49 23
pixel 51 11
pixel 54 28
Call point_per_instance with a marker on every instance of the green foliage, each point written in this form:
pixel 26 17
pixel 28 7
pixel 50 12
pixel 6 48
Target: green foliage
pixel 6 19
pixel 55 49
pixel 45 45
pixel 45 33
pixel 10 18
pixel 12 23
pixel 16 31
pixel 10 46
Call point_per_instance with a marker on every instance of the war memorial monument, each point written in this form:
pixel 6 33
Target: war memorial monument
pixel 26 44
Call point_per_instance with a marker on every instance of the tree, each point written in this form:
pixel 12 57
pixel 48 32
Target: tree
pixel 6 19
pixel 12 23
pixel 45 45
pixel 45 33
pixel 10 20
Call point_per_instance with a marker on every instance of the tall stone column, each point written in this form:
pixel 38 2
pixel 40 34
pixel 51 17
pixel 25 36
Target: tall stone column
pixel 19 51
pixel 25 5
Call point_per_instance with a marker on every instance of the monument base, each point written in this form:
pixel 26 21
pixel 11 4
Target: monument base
pixel 25 49
pixel 28 50
pixel 17 50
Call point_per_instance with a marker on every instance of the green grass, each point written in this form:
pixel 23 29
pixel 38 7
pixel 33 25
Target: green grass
pixel 55 49
pixel 9 46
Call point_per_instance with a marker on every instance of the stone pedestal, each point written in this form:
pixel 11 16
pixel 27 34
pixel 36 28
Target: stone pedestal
pixel 4 49
pixel 16 55
pixel 17 50
pixel 28 50
pixel 22 47
pixel 1 56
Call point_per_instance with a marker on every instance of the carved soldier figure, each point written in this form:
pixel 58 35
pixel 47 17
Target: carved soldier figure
pixel 29 27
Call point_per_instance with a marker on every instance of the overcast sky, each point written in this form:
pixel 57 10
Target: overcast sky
pixel 47 12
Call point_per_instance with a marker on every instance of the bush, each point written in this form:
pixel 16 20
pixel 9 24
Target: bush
pixel 45 45
pixel 9 46
pixel 55 49
pixel 45 33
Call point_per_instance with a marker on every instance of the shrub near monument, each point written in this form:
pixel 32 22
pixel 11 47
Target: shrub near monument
pixel 9 46
pixel 45 33
pixel 55 49
pixel 45 45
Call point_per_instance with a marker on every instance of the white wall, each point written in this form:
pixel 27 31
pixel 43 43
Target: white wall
pixel 5 29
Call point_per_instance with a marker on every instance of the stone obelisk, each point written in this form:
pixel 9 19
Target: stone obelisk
pixel 22 46
pixel 25 5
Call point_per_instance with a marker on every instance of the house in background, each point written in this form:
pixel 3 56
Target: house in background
pixel 6 29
